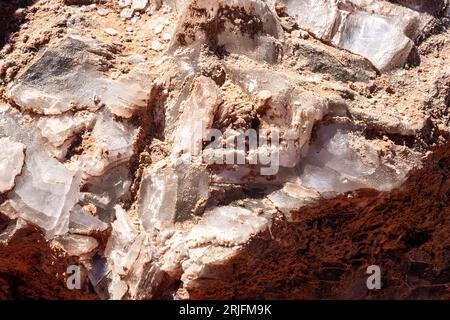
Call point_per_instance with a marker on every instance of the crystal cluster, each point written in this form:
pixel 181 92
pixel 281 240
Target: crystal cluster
pixel 340 161
pixel 360 26
pixel 106 153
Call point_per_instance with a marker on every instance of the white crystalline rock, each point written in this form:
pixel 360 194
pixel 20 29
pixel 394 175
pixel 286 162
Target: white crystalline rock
pixel 305 111
pixel 127 96
pixel 124 3
pixel 77 81
pixel 340 160
pixel 166 36
pixel 292 196
pixel 139 4
pixel 197 116
pixel 59 131
pixel 408 21
pixel 124 227
pixel 317 16
pixel 118 288
pixel 12 229
pixel 176 5
pixel 73 81
pixel 136 59
pixel 88 8
pixel 82 222
pixel 111 31
pixel 158 197
pixel 326 180
pixel 4 107
pixel 202 263
pixel 378 30
pixel 170 193
pixel 227 32
pixel 106 191
pixel 127 252
pixel 124 260
pixel 214 241
pixel 11 162
pixel 339 155
pixel 127 13
pixel 258 80
pixel 146 276
pixel 362 33
pixel 112 146
pixel 290 111
pixel 103 12
pixel 7 209
pixel 76 245
pixel 226 226
pixel 157 45
pixel 264 46
pixel 123 236
pixel 46 192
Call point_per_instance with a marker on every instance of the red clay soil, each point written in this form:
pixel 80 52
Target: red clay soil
pixel 30 269
pixel 325 253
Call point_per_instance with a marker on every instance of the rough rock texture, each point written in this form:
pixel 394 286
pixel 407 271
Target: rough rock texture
pixel 224 149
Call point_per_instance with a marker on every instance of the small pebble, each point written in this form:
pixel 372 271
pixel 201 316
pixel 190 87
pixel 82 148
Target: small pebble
pixel 103 12
pixel 20 13
pixel 304 34
pixel 135 59
pixel 264 96
pixel 158 29
pixel 127 13
pixel 134 20
pixel 166 36
pixel 88 8
pixel 110 31
pixel 157 46
pixel 139 4
pixel 6 49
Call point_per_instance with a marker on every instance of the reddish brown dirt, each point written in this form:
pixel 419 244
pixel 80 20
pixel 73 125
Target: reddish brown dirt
pixel 325 253
pixel 30 269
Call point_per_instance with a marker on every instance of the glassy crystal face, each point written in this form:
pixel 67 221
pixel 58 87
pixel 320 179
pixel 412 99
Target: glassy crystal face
pixel 46 192
pixel 341 160
pixel 218 27
pixel 360 26
pixel 11 162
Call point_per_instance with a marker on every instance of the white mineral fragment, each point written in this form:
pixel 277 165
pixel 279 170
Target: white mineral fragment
pixel 11 162
pixel 46 192
pixel 139 4
pixel 377 30
pixel 76 245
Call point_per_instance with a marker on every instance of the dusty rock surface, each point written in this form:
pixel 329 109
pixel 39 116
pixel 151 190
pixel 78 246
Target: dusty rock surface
pixel 107 109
